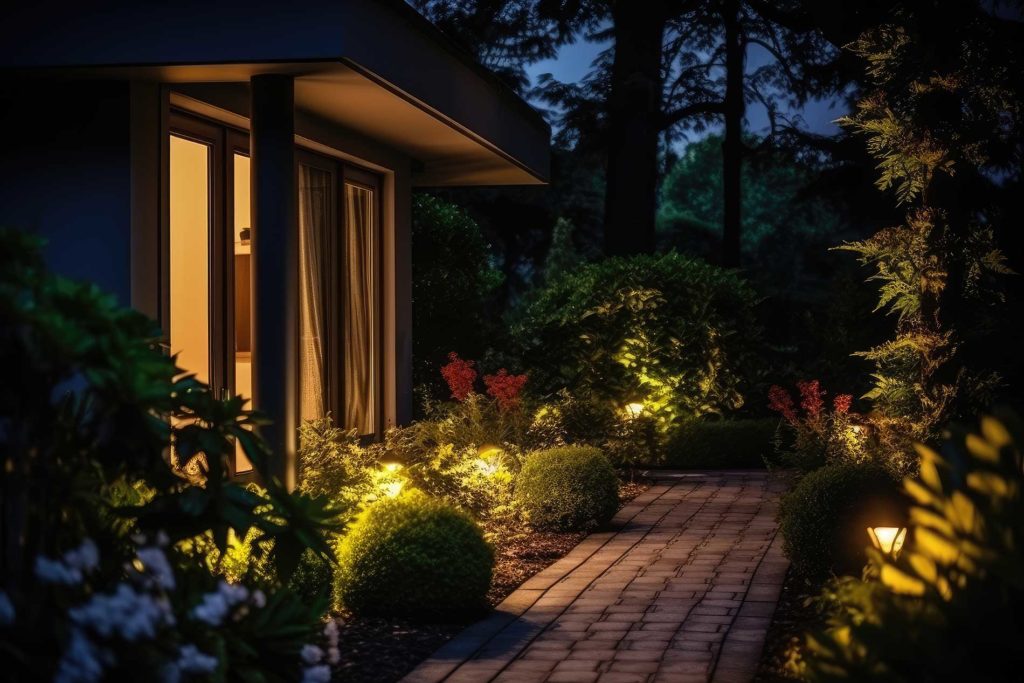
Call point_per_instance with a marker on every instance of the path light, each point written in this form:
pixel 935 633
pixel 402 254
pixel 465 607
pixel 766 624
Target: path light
pixel 888 539
pixel 634 410
pixel 391 467
pixel 488 450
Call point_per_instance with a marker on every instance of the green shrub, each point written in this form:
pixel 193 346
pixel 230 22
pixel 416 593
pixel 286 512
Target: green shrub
pixel 413 555
pixel 948 607
pixel 454 283
pixel 670 332
pixel 824 518
pixel 567 488
pixel 720 444
pixel 334 464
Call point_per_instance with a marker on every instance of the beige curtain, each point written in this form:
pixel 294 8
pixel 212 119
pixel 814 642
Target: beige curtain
pixel 361 335
pixel 314 217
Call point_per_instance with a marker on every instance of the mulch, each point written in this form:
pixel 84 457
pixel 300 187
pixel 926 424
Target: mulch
pixel 793 617
pixel 378 650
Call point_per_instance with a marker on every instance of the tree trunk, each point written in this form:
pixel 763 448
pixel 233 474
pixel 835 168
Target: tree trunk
pixel 732 145
pixel 634 113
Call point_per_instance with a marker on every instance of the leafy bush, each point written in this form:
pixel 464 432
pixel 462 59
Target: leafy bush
pixel 454 282
pixel 823 519
pixel 720 444
pixel 669 332
pixel 333 463
pixel 413 555
pixel 567 488
pixel 99 582
pixel 948 607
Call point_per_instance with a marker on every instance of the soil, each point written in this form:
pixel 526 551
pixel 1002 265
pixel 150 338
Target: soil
pixel 793 617
pixel 377 650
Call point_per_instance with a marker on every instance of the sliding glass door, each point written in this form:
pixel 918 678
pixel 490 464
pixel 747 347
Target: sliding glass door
pixel 209 299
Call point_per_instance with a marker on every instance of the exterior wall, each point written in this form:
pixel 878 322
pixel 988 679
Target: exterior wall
pixel 65 175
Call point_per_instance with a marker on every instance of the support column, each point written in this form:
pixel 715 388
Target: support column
pixel 275 266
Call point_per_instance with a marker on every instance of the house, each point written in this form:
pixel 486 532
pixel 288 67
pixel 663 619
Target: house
pixel 242 173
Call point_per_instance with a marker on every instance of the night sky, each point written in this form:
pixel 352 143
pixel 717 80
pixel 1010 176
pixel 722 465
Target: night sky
pixel 573 62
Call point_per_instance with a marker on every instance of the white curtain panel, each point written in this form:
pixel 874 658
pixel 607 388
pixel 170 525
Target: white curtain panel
pixel 314 218
pixel 360 294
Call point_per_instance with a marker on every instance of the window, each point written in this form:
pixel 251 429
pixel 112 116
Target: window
pixel 209 303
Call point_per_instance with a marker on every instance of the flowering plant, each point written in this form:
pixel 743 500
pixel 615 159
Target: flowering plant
pixel 818 434
pixel 505 388
pixel 459 375
pixel 98 585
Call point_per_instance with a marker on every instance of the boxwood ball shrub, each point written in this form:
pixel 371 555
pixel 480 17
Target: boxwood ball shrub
pixel 824 519
pixel 570 488
pixel 673 333
pixel 710 444
pixel 413 555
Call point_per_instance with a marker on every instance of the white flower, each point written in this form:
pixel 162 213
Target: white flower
pixel 211 610
pixel 85 558
pixel 192 661
pixel 56 572
pixel 156 564
pixel 125 614
pixel 321 673
pixel 259 598
pixel 215 606
pixel 331 631
pixel 162 539
pixel 333 656
pixel 81 661
pixel 311 654
pixel 6 610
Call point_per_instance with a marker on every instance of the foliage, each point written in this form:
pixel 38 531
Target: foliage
pixel 568 488
pixel 671 333
pixel 943 118
pixel 93 511
pixel 454 284
pixel 815 435
pixel 333 463
pixel 824 517
pixel 775 203
pixel 948 607
pixel 720 444
pixel 413 555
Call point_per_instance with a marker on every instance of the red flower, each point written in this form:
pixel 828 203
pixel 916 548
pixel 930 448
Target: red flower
pixel 505 388
pixel 780 401
pixel 812 398
pixel 459 375
pixel 841 403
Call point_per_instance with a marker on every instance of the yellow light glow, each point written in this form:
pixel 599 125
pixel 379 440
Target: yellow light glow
pixel 488 450
pixel 392 489
pixel 392 467
pixel 485 466
pixel 888 539
pixel 634 410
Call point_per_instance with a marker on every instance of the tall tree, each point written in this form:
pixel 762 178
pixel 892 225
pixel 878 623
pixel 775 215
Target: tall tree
pixel 673 66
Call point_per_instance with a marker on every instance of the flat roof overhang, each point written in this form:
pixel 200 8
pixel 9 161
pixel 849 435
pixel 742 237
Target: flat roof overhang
pixel 373 67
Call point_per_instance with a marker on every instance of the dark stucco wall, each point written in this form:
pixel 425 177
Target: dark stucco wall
pixel 64 174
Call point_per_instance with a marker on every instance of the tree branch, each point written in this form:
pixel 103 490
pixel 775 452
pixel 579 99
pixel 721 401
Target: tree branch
pixel 671 118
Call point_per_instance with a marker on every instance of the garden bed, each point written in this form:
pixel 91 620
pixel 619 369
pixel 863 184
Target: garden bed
pixel 793 616
pixel 385 649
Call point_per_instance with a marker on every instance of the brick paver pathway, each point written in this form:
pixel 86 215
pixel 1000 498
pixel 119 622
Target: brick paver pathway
pixel 681 589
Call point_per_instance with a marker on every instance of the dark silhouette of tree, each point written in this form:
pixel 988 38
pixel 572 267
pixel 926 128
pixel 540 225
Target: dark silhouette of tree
pixel 673 66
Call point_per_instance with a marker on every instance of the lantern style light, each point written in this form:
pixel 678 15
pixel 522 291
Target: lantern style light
pixel 634 410
pixel 888 539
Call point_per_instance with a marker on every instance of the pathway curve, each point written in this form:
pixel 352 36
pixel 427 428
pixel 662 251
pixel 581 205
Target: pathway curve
pixel 682 588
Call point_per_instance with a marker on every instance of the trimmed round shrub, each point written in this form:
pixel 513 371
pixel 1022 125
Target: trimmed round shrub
pixel 720 444
pixel 413 555
pixel 570 488
pixel 824 519
pixel 675 333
